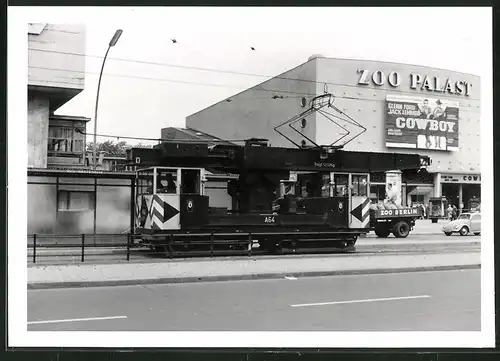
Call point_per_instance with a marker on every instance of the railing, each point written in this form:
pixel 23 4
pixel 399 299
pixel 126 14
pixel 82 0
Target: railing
pixel 63 249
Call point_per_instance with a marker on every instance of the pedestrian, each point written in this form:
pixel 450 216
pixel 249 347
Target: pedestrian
pixel 422 206
pixel 455 212
pixel 449 211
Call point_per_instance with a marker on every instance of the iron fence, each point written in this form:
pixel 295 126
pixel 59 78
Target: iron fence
pixel 57 249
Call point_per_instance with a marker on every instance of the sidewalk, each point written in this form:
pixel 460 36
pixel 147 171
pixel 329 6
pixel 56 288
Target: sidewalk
pixel 227 269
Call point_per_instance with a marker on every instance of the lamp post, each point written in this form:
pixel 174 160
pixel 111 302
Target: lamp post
pixel 112 42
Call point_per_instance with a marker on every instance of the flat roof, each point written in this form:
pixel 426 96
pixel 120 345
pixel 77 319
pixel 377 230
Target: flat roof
pixel 80 173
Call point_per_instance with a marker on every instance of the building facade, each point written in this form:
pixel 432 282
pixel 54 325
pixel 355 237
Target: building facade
pixel 65 197
pixel 56 74
pixel 404 108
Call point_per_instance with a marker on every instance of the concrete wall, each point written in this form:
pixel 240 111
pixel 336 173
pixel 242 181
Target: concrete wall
pixel 38 130
pixel 42 206
pixel 253 113
pixel 55 75
pixel 366 104
pixel 112 210
pixel 113 206
pixel 49 64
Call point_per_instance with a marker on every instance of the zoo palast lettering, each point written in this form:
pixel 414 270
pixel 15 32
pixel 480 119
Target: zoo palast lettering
pixel 434 84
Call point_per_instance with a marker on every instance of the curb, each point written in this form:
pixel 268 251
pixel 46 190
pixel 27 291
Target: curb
pixel 261 276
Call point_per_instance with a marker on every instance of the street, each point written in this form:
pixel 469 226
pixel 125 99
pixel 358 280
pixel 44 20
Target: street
pixel 420 301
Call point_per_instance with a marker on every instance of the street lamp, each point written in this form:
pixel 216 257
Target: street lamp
pixel 112 42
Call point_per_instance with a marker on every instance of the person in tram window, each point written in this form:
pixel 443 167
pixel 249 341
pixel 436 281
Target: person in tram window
pixel 166 185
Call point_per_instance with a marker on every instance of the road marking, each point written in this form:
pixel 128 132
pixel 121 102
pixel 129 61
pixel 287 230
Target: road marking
pixel 290 278
pixel 360 301
pixel 77 320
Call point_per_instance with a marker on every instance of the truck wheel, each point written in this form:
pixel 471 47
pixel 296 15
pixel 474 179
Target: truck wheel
pixel 382 232
pixel 401 230
pixel 464 231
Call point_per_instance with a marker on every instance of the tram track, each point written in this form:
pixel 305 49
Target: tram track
pixel 99 255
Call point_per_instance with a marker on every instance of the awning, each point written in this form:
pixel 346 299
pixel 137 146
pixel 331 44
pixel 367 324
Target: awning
pixel 420 190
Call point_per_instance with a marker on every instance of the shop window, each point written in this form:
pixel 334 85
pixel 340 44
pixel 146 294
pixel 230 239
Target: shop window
pixel 75 201
pixel 419 198
pixel 64 140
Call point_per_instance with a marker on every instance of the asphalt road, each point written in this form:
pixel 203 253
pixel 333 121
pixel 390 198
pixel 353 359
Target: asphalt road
pixel 423 301
pixel 370 245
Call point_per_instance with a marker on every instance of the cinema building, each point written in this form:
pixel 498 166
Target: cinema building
pixel 404 108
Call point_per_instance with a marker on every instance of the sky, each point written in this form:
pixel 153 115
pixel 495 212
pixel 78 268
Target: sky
pixel 220 39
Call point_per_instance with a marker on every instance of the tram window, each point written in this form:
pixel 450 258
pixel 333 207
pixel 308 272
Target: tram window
pixel 166 181
pixel 359 185
pixel 190 181
pixel 341 181
pixel 325 185
pixel 145 183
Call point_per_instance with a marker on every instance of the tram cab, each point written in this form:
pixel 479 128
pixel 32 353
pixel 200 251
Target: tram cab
pixel 345 194
pixel 169 198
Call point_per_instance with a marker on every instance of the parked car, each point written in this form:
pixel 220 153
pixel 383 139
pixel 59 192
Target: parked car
pixel 464 224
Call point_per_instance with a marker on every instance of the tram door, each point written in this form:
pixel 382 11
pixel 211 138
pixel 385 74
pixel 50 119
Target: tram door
pixel 355 186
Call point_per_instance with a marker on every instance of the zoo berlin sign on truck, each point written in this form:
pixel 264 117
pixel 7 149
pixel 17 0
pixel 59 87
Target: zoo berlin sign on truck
pixel 421 123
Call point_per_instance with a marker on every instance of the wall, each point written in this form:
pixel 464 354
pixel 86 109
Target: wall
pixel 112 210
pixel 366 104
pixel 253 113
pixel 42 206
pixel 113 206
pixel 38 130
pixel 49 50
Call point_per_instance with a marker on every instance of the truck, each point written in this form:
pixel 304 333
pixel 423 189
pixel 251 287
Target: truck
pixel 396 220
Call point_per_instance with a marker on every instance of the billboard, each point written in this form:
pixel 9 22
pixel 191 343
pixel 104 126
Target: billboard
pixel 421 123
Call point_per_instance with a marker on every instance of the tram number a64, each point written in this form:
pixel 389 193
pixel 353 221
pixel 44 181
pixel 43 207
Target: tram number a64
pixel 269 219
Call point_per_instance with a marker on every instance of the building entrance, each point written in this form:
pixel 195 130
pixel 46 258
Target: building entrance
pixel 470 192
pixel 461 189
pixel 451 193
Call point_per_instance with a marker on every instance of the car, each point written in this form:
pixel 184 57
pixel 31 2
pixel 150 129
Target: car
pixel 464 224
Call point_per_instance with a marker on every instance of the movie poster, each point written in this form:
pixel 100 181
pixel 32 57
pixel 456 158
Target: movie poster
pixel 421 123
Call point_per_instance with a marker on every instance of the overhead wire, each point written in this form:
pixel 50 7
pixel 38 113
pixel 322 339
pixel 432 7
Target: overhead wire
pixel 187 67
pixel 118 137
pixel 255 88
pixel 175 81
